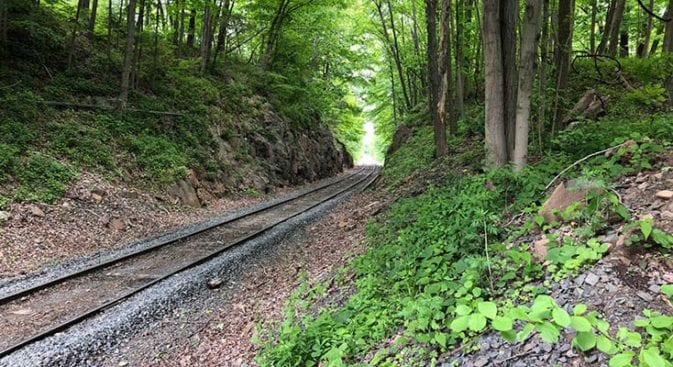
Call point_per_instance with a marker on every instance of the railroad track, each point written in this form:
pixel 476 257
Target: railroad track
pixel 42 310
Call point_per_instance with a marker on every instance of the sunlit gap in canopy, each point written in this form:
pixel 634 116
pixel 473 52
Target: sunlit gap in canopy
pixel 368 158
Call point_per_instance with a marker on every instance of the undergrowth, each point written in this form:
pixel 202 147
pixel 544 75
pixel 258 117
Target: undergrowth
pixel 437 271
pixel 153 149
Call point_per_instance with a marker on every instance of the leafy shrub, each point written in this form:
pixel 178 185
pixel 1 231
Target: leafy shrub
pixel 647 99
pixel 42 178
pixel 19 107
pixel 8 160
pixel 160 157
pixel 86 145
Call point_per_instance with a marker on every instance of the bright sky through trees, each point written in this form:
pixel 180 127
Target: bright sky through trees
pixel 368 146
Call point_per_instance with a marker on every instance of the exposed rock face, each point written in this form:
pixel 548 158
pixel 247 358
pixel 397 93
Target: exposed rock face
pixel 185 193
pixel 402 134
pixel 262 152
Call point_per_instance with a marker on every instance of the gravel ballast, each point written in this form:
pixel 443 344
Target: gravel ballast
pixel 79 345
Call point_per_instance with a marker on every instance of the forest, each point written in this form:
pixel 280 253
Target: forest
pixel 522 214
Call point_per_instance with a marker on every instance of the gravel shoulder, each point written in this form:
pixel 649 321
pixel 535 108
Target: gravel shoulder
pixel 217 329
pixel 619 286
pixel 86 343
pixel 96 217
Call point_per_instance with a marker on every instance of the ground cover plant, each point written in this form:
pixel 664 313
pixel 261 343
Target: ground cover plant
pixel 438 272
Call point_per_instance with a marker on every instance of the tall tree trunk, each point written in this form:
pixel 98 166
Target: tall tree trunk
pixel 3 22
pixel 393 92
pixel 529 35
pixel 441 148
pixel 563 49
pixel 478 60
pixel 155 52
pixel 667 49
pixel 509 12
pixel 667 46
pixel 592 31
pixel 135 75
pixel 227 8
pixel 273 34
pixel 624 44
pixel 607 28
pixel 542 79
pixel 644 47
pixel 496 142
pixel 92 19
pixel 460 84
pixel 191 30
pixel 615 26
pixel 128 53
pixel 73 35
pixel 445 104
pixel 414 29
pixel 394 52
pixel 398 55
pixel 109 30
pixel 205 38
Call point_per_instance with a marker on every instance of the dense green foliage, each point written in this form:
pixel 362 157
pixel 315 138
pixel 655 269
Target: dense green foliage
pixel 428 257
pixel 233 98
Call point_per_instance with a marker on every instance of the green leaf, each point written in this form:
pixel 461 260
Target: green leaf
pixel 548 332
pixel 605 345
pixel 580 324
pixel 561 317
pixel 641 322
pixel 646 226
pixel 631 339
pixel 652 357
pixel 488 309
pixel 508 335
pixel 460 324
pixel 440 338
pixel 462 310
pixel 523 334
pixel 662 322
pixel 502 323
pixel 622 211
pixel 621 360
pixel 667 289
pixel 579 309
pixel 585 341
pixel 477 322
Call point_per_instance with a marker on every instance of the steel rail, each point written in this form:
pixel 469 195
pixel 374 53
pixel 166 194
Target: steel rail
pixel 162 243
pixel 92 312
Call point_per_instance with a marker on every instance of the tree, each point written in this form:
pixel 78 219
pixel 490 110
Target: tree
pixel 75 28
pixel 446 102
pixel 128 53
pixel 92 19
pixel 441 148
pixel 205 38
pixel 496 143
pixel 529 36
pixel 563 49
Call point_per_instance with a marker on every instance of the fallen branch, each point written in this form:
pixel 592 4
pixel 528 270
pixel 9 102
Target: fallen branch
pixel 108 108
pixel 582 160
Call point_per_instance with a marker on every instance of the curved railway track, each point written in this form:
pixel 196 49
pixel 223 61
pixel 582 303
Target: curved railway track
pixel 42 310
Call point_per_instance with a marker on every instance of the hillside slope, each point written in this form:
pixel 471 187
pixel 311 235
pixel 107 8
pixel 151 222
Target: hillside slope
pixel 237 130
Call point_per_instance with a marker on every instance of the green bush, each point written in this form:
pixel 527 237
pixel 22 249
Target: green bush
pixel 646 99
pixel 90 146
pixel 8 160
pixel 42 178
pixel 160 157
